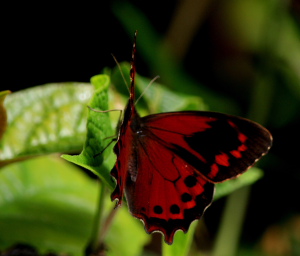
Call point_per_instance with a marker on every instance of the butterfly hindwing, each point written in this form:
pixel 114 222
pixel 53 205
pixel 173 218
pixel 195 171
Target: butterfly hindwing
pixel 166 193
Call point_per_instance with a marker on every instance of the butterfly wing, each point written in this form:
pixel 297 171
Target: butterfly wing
pixel 219 146
pixel 167 163
pixel 167 193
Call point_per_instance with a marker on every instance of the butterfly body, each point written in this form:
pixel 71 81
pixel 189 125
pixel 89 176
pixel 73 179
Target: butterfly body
pixel 167 163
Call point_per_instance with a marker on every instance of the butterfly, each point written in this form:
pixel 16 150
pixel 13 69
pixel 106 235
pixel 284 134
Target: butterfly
pixel 167 163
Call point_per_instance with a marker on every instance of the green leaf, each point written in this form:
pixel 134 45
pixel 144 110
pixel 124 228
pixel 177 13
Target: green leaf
pixel 47 203
pixel 3 115
pixel 248 178
pixel 161 61
pixel 182 242
pixel 126 235
pixel 45 119
pixel 98 130
pixel 50 204
pixel 166 100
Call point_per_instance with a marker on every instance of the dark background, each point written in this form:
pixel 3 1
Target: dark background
pixel 47 43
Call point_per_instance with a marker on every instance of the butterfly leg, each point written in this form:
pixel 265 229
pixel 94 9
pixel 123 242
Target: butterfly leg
pixel 113 136
pixel 104 111
pixel 100 153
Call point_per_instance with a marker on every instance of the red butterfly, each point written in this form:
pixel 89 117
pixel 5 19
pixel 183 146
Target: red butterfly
pixel 167 163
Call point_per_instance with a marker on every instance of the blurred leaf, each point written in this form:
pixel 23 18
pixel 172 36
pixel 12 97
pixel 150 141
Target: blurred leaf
pixel 288 38
pixel 236 15
pixel 247 178
pixel 45 119
pixel 157 97
pixel 53 210
pixel 47 203
pixel 126 235
pixel 3 115
pixel 160 60
pixel 182 242
pixel 98 130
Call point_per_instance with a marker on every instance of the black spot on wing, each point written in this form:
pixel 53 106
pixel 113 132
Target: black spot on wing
pixel 190 181
pixel 186 197
pixel 174 209
pixel 158 209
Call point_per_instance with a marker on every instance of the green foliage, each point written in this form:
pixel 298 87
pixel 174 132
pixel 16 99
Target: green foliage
pixel 45 119
pixel 182 242
pixel 98 130
pixel 166 100
pixel 162 62
pixel 47 203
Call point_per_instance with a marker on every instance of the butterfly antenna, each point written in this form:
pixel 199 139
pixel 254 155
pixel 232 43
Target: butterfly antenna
pixel 133 70
pixel 151 82
pixel 122 74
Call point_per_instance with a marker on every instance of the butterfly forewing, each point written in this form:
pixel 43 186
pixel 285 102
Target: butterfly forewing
pixel 218 146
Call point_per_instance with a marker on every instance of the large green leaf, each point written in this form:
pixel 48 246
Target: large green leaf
pixel 47 203
pixel 45 119
pixel 50 204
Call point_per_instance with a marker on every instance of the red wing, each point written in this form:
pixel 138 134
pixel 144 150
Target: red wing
pixel 167 194
pixel 126 163
pixel 166 163
pixel 219 146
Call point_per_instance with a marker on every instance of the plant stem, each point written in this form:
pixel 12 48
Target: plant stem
pixel 96 236
pixel 232 219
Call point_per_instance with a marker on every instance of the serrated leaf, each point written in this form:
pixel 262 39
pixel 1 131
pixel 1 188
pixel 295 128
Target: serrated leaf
pixel 98 130
pixel 47 203
pixel 45 119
